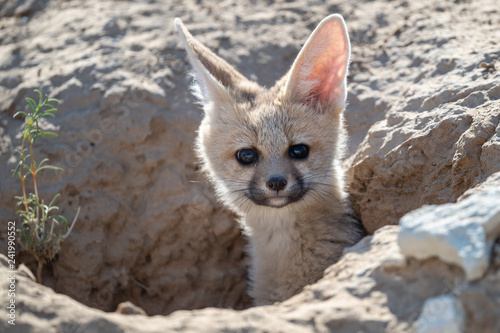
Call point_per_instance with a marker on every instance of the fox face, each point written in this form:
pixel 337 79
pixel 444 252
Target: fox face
pixel 270 155
pixel 277 147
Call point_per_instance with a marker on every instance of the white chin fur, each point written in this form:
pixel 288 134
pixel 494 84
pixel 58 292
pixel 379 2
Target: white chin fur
pixel 277 201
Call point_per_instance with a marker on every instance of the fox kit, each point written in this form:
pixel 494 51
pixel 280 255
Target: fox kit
pixel 273 156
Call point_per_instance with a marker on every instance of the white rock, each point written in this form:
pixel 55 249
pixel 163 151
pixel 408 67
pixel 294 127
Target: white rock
pixel 459 233
pixel 441 314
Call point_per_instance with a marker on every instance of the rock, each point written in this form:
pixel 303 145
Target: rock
pixel 21 7
pixel 434 132
pixel 460 233
pixel 495 253
pixel 481 303
pixel 442 314
pixel 25 271
pixel 128 308
pixel 491 182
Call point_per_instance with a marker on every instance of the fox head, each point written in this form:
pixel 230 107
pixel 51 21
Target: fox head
pixel 275 148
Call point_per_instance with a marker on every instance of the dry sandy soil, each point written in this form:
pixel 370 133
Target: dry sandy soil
pixel 423 119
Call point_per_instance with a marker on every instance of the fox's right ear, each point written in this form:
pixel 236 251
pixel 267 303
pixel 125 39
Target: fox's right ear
pixel 215 79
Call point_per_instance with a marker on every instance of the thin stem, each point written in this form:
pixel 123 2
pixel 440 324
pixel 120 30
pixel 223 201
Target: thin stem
pixel 72 224
pixel 22 175
pixel 39 271
pixel 43 212
pixel 51 230
pixel 33 173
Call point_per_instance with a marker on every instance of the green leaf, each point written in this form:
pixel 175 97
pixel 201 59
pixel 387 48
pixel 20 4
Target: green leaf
pixel 50 167
pixel 46 114
pixel 50 106
pixel 47 134
pixel 60 217
pixel 43 161
pixel 27 216
pixel 40 99
pixel 50 100
pixel 17 169
pixel 22 113
pixel 51 208
pixel 32 104
pixel 49 111
pixel 54 199
pixel 38 205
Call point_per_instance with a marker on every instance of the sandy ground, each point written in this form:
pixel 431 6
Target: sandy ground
pixel 422 116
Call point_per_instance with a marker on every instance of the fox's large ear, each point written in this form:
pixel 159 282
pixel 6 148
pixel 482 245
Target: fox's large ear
pixel 214 77
pixel 318 75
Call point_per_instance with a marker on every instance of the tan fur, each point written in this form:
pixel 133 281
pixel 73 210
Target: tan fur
pixel 290 246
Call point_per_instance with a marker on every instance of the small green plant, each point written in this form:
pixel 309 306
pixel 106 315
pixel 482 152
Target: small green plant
pixel 41 232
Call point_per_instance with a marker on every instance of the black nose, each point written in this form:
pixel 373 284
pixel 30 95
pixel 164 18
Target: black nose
pixel 276 183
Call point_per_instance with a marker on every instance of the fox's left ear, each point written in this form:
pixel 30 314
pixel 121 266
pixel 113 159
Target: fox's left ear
pixel 318 75
pixel 215 80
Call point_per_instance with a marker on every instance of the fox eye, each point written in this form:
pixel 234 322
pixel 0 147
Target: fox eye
pixel 246 156
pixel 299 151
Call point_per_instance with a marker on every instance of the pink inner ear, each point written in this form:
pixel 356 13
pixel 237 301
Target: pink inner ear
pixel 329 67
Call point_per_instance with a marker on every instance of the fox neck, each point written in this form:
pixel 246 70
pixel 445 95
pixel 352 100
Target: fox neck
pixel 287 247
